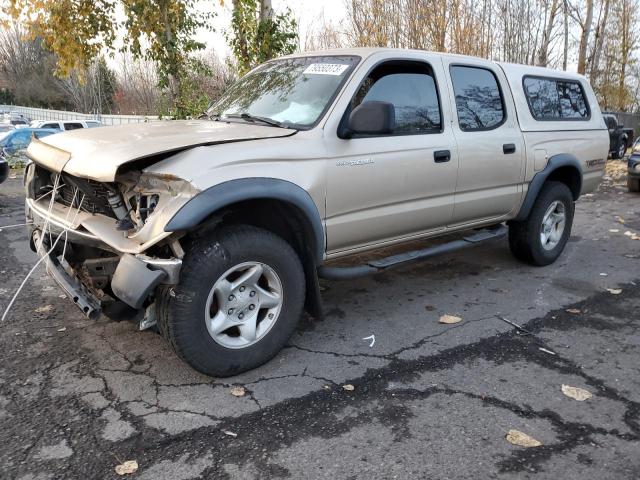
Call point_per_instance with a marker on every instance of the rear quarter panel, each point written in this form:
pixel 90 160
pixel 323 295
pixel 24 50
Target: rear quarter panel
pixel 585 139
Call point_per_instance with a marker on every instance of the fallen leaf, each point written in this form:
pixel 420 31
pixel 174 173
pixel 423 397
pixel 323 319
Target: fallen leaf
pixel 45 309
pixel 238 391
pixel 348 387
pixel 62 329
pixel 449 319
pixel 231 434
pixel 579 394
pixel 575 311
pixel 130 466
pixel 628 233
pixel 516 437
pixel 614 230
pixel 614 291
pixel 604 274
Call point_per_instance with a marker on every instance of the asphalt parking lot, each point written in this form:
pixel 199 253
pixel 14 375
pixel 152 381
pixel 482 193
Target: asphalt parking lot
pixel 429 400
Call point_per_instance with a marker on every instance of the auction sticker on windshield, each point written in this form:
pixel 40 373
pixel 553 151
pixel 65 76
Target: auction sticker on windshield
pixel 325 69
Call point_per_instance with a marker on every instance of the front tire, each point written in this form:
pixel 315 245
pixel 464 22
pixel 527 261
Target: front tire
pixel 239 299
pixel 541 238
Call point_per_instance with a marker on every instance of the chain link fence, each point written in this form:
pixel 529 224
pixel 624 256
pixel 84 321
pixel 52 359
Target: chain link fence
pixel 44 114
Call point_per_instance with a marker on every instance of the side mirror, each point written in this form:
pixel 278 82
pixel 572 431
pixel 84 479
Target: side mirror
pixel 372 118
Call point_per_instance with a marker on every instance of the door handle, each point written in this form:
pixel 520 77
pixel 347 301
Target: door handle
pixel 441 156
pixel 508 148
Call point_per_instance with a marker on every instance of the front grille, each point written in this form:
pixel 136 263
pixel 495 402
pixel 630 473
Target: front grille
pixel 95 195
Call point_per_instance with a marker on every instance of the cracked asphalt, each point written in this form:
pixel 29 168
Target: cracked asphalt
pixel 78 397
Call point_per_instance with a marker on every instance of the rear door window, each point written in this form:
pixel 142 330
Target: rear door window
pixel 55 125
pixel 555 99
pixel 479 100
pixel 72 126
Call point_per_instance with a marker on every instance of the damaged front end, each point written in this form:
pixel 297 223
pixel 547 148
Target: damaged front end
pixel 105 241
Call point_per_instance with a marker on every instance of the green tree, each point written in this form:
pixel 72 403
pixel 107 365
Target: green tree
pixel 158 30
pixel 259 34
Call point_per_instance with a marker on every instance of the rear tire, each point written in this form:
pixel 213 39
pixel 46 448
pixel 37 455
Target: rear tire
pixel 621 149
pixel 541 238
pixel 239 299
pixel 633 184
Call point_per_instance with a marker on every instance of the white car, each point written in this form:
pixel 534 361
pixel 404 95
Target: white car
pixel 63 125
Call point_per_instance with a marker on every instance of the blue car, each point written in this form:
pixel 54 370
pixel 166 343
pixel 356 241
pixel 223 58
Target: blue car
pixel 15 141
pixel 633 170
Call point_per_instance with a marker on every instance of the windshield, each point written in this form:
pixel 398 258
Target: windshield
pixel 294 92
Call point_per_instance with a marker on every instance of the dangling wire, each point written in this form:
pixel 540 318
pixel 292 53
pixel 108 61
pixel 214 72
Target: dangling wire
pixel 41 240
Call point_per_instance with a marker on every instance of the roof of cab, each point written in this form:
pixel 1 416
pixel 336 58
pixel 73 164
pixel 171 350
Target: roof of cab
pixel 365 52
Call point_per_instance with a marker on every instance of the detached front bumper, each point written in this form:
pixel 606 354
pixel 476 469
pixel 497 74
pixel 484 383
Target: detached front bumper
pixel 132 281
pixel 68 281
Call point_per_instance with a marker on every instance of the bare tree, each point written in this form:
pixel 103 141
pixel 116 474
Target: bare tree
pixel 584 19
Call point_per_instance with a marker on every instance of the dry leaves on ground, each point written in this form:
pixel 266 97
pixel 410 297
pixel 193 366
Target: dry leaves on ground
pixel 238 391
pixel 616 169
pixel 516 437
pixel 126 468
pixel 44 309
pixel 614 291
pixel 579 394
pixel 348 387
pixel 448 319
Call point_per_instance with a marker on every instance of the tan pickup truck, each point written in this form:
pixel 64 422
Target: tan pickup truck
pixel 217 229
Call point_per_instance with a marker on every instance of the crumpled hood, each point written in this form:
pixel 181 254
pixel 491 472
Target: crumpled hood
pixel 97 153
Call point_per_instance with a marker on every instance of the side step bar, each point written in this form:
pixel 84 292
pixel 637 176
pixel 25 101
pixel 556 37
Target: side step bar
pixel 374 266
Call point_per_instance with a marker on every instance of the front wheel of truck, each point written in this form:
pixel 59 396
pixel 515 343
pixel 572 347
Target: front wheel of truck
pixel 240 296
pixel 541 238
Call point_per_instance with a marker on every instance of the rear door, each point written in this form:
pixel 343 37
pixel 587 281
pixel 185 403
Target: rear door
pixel 490 144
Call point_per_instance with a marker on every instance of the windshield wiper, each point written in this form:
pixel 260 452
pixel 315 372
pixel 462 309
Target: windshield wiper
pixel 254 118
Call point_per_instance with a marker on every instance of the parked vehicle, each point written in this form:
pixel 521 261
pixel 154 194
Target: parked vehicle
pixel 633 168
pixel 620 138
pixel 16 119
pixel 13 144
pixel 63 125
pixel 6 127
pixel 4 169
pixel 219 229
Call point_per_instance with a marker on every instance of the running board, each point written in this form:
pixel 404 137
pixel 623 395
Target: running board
pixel 374 266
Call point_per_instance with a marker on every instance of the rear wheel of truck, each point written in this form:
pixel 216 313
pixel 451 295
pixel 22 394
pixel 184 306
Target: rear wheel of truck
pixel 240 296
pixel 633 184
pixel 541 238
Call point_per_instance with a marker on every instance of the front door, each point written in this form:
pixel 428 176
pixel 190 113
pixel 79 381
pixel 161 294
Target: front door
pixel 490 144
pixel 383 188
